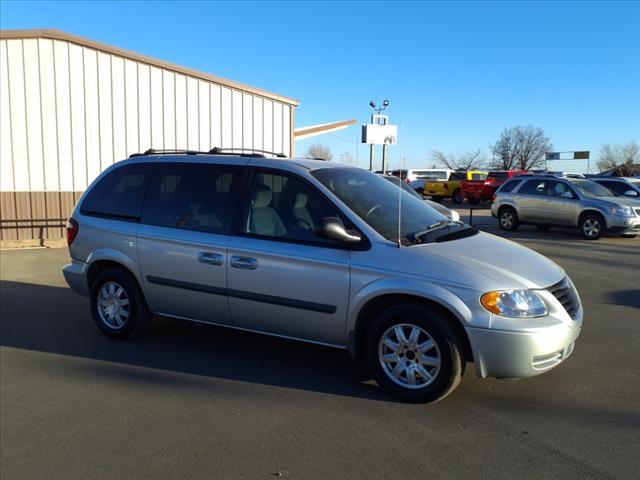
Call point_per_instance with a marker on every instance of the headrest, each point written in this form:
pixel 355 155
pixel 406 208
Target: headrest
pixel 262 196
pixel 300 200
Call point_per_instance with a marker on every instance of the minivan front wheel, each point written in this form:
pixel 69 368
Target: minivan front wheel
pixel 413 353
pixel 117 305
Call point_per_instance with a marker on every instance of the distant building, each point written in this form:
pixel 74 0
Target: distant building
pixel 70 107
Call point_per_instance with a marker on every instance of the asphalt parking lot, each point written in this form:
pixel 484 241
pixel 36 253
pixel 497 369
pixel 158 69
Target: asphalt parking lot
pixel 202 402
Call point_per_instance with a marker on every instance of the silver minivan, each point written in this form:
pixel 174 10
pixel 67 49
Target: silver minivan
pixel 319 252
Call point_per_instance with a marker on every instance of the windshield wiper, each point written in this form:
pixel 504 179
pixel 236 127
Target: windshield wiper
pixel 446 223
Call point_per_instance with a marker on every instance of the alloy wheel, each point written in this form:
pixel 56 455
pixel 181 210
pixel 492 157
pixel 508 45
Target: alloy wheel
pixel 113 305
pixel 409 356
pixel 591 227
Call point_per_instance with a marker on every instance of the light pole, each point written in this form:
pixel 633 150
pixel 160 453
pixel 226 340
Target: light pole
pixel 382 120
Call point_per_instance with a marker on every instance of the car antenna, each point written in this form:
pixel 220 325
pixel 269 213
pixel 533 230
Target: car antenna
pixel 402 165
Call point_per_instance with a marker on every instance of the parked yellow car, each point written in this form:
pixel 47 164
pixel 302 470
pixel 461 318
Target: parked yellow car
pixel 450 187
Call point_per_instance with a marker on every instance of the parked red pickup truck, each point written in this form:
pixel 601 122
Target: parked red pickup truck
pixel 476 190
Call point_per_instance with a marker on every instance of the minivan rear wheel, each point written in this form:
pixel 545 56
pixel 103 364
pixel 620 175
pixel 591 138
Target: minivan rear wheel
pixel 508 219
pixel 117 304
pixel 413 353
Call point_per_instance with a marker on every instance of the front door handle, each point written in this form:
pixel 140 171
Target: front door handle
pixel 210 258
pixel 245 263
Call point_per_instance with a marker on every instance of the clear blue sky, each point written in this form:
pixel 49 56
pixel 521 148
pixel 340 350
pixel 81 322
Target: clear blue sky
pixel 456 73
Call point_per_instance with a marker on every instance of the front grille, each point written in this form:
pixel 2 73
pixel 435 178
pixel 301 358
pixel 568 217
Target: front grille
pixel 566 294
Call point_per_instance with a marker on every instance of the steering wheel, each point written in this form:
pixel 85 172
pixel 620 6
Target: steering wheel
pixel 376 207
pixel 302 223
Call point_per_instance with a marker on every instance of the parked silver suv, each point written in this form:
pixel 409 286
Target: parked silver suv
pixel 317 251
pixel 549 201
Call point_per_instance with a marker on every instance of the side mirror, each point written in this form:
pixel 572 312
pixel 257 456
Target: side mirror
pixel 333 229
pixel 567 195
pixel 631 193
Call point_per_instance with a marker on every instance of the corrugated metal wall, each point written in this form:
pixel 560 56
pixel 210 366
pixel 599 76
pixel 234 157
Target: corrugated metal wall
pixel 69 111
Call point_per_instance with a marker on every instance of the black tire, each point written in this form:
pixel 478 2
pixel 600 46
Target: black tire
pixel 137 314
pixel 592 226
pixel 435 326
pixel 508 219
pixel 544 228
pixel 436 198
pixel 473 201
pixel 457 196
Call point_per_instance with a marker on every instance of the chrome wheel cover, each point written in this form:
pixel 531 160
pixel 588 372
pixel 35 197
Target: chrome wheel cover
pixel 409 356
pixel 591 227
pixel 113 305
pixel 506 219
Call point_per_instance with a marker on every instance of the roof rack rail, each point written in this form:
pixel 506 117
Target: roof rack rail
pixel 252 152
pixel 153 151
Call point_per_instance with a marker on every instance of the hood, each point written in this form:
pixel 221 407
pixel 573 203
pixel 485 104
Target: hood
pixel 616 201
pixel 491 260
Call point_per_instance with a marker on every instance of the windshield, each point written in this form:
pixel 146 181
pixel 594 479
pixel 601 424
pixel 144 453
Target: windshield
pixel 497 175
pixel 590 189
pixel 376 200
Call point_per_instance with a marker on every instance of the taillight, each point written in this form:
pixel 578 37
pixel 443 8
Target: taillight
pixel 72 230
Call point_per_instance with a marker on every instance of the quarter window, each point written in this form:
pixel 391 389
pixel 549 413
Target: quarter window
pixel 119 193
pixel 192 197
pixel 509 186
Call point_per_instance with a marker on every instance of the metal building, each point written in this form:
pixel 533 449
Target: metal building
pixel 70 107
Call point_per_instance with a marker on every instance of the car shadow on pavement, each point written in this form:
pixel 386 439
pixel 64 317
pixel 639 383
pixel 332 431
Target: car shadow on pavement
pixel 628 298
pixel 56 320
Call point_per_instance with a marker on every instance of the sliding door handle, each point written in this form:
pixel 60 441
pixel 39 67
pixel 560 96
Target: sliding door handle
pixel 210 258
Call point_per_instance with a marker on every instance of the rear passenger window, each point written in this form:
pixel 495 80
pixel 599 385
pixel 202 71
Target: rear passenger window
pixel 119 193
pixel 192 197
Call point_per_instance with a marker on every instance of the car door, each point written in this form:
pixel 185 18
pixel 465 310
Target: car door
pixel 559 206
pixel 183 237
pixel 283 279
pixel 529 200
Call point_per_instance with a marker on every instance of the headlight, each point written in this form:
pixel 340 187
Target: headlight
pixel 514 303
pixel 624 211
pixel 455 216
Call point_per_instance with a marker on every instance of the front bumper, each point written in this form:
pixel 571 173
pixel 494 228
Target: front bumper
pixel 511 354
pixel 75 274
pixel 626 226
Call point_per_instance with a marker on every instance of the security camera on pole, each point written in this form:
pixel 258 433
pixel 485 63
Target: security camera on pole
pixel 379 132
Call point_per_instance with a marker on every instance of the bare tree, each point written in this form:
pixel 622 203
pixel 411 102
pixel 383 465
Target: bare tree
pixel 347 158
pixel 521 147
pixel 319 151
pixel 623 159
pixel 466 161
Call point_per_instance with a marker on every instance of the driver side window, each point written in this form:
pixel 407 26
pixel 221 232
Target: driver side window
pixel 286 207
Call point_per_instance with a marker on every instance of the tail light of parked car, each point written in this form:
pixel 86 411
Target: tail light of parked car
pixel 72 230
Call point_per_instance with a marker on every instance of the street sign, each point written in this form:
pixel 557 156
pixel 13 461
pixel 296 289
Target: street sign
pixel 552 156
pixel 581 155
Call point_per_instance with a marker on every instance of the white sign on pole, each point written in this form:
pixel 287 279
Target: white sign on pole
pixel 379 134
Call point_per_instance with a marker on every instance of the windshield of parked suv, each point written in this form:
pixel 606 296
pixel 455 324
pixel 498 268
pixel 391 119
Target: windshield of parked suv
pixel 590 189
pixel 376 201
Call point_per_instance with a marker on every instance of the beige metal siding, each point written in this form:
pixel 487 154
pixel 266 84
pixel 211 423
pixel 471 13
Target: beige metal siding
pixel 69 110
